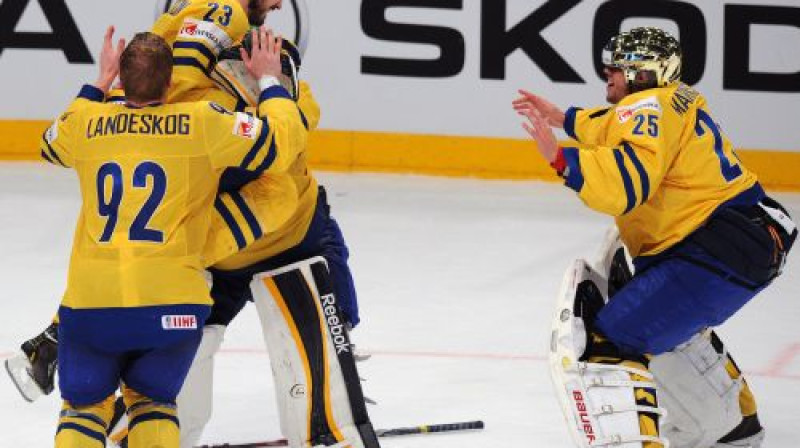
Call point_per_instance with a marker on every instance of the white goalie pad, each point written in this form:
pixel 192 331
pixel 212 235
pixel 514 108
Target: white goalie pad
pixel 694 386
pixel 18 368
pixel 702 398
pixel 598 400
pixel 316 384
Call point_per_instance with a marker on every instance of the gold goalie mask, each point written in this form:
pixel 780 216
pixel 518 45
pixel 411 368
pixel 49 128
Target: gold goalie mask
pixel 232 76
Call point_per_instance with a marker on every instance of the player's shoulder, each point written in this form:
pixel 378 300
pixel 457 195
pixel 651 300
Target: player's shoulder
pixel 650 101
pixel 211 108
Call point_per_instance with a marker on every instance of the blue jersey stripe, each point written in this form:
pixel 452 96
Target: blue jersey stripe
pixel 262 137
pixel 100 437
pixel 569 121
pixel 190 62
pixel 53 155
pixel 231 222
pixel 46 157
pixel 303 118
pixel 643 177
pixel 91 93
pixel 267 162
pixel 626 180
pixel 573 173
pixel 274 92
pixel 255 228
pixel 197 46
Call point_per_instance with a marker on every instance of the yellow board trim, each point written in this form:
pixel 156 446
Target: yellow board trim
pixel 437 155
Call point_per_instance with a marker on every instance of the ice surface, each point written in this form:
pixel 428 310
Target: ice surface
pixel 456 280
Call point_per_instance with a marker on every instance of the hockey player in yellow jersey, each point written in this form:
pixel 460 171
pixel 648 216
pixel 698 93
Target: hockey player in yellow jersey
pixel 136 297
pixel 198 31
pixel 704 238
pixel 286 214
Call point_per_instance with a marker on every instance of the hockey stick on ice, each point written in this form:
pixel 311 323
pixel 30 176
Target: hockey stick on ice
pixel 422 429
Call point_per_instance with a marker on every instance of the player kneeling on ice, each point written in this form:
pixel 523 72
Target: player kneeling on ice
pixel 704 238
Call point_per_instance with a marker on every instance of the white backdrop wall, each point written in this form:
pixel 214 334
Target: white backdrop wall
pixel 370 75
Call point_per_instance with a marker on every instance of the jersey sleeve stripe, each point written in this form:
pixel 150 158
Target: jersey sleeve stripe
pixel 257 146
pixel 574 176
pixel 200 48
pixel 51 151
pixel 274 92
pixel 91 93
pixel 255 228
pixel 569 121
pixel 626 180
pixel 227 216
pixel 46 157
pixel 272 153
pixel 643 177
pixel 190 62
pixel 303 118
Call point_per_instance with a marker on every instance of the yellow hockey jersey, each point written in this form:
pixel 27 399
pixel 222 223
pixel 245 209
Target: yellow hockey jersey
pixel 148 179
pixel 267 192
pixel 198 31
pixel 657 161
pixel 274 210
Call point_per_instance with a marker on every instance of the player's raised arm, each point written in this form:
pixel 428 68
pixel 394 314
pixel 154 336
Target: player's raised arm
pixel 272 141
pixel 57 140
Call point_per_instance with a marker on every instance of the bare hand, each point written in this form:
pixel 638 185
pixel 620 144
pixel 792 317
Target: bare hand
pixel 265 56
pixel 554 116
pixel 109 60
pixel 539 128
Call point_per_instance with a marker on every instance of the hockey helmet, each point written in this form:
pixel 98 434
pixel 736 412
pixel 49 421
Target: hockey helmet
pixel 648 56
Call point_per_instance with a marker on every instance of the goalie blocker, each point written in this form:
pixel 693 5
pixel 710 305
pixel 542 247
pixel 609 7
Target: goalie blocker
pixel 316 382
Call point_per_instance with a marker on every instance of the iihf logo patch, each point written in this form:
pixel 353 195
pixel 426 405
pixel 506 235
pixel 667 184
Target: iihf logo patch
pixel 179 322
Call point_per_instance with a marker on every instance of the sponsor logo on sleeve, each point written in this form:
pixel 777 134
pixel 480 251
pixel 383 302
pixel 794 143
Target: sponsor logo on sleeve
pixel 293 22
pixel 179 322
pixel 625 113
pixel 245 126
pixel 206 32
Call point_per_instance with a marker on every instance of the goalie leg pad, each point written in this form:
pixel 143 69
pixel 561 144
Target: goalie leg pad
pixel 317 385
pixel 195 401
pixel 599 400
pixel 696 387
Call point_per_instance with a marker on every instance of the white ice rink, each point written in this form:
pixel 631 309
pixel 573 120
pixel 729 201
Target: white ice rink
pixel 456 281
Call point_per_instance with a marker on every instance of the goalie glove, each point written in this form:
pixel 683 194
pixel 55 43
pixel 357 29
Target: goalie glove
pixel 232 76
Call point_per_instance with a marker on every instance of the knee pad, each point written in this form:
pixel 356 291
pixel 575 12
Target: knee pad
pixel 196 399
pixel 702 397
pixel 316 382
pixel 601 402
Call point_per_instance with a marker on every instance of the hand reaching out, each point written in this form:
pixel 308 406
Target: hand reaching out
pixel 538 127
pixel 554 116
pixel 109 60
